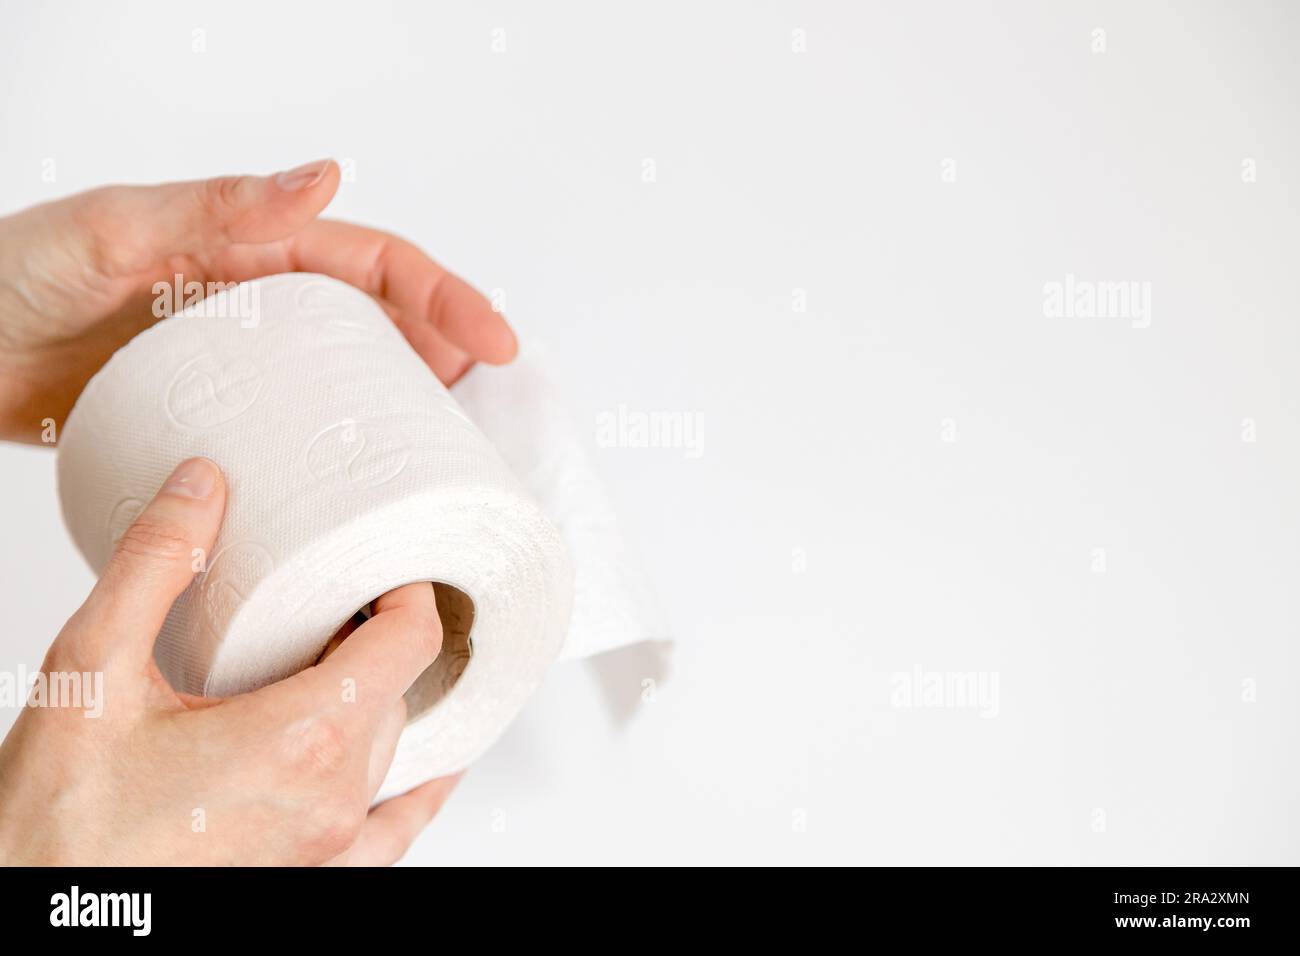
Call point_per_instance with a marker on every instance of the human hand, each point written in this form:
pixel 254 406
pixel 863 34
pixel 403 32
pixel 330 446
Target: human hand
pixel 282 775
pixel 77 274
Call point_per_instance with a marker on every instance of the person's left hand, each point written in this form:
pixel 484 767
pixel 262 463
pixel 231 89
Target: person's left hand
pixel 76 277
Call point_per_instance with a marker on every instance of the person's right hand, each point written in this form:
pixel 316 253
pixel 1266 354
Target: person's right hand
pixel 283 775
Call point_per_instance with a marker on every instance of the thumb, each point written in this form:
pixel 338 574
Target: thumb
pixel 127 230
pixel 152 563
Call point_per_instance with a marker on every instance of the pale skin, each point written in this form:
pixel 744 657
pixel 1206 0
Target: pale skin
pixel 283 775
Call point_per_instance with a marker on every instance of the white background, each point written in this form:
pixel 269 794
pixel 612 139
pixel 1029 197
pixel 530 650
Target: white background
pixel 1124 732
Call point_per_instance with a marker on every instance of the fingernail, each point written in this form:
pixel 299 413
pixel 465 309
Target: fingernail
pixel 195 478
pixel 304 177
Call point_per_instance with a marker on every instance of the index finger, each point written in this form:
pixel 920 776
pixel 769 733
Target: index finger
pixel 446 320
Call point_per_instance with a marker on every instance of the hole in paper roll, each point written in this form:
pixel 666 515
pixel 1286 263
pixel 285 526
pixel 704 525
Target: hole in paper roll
pixel 456 609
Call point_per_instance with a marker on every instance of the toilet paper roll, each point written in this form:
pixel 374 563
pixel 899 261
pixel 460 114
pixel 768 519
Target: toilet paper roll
pixel 350 470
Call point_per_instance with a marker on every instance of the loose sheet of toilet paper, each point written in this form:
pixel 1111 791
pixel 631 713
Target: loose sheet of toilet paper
pixel 350 471
pixel 521 410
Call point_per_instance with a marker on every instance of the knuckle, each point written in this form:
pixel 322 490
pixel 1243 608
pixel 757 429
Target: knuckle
pixel 63 656
pixel 376 275
pixel 112 233
pixel 219 194
pixel 155 540
pixel 219 200
pixel 322 747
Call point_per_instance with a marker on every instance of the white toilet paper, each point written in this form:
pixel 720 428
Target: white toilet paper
pixel 519 409
pixel 351 471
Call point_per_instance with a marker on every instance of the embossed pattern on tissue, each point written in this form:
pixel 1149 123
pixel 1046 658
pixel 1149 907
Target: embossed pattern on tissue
pixel 208 391
pixel 121 517
pixel 337 326
pixel 232 574
pixel 318 296
pixel 357 454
